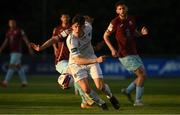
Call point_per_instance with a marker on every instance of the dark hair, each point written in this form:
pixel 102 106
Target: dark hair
pixel 78 19
pixel 63 12
pixel 120 3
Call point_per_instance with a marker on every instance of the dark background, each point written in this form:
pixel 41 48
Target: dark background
pixel 39 17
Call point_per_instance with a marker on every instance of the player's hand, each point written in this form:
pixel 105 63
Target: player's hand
pixel 144 30
pixel 100 59
pixel 35 47
pixel 114 53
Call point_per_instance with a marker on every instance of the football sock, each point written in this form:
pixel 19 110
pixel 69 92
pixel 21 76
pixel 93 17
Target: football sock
pixel 76 91
pixel 22 75
pixel 131 87
pixel 9 74
pixel 139 93
pixel 107 91
pixel 81 92
pixel 93 95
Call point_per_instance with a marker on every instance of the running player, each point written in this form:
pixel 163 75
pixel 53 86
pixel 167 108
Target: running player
pixel 62 54
pixel 14 38
pixel 83 62
pixel 125 29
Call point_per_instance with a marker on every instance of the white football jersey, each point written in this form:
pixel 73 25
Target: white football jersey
pixel 81 46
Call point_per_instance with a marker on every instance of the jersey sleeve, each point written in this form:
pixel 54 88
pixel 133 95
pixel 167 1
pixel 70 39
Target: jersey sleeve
pixel 88 25
pixel 88 29
pixel 73 47
pixel 62 36
pixel 111 28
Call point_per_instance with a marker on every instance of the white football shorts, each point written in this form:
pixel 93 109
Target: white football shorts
pixel 83 71
pixel 62 66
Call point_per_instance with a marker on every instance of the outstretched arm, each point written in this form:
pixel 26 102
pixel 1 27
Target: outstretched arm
pixel 83 61
pixel 51 41
pixel 3 45
pixel 45 45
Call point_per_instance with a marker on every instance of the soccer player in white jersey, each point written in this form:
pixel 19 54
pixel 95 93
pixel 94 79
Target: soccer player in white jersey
pixel 58 40
pixel 83 62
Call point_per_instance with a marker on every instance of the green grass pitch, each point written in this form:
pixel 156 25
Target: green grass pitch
pixel 43 96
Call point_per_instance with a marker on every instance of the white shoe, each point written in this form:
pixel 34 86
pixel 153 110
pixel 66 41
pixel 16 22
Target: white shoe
pixel 90 102
pixel 138 104
pixel 85 106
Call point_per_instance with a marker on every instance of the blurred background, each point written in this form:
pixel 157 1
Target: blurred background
pixel 160 50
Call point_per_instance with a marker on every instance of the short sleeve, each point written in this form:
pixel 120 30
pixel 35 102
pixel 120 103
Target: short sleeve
pixel 112 27
pixel 72 44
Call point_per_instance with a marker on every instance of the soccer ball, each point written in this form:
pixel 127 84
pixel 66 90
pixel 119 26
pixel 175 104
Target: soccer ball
pixel 65 81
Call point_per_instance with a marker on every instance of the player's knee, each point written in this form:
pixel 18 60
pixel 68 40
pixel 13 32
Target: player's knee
pixel 141 74
pixel 99 83
pixel 99 87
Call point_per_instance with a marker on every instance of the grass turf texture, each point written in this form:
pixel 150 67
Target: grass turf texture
pixel 43 96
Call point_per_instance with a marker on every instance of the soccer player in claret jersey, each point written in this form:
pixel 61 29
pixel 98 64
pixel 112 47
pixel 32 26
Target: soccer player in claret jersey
pixel 125 29
pixel 14 38
pixel 61 52
pixel 83 62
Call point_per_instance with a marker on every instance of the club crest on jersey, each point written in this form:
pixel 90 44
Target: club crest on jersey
pixel 121 25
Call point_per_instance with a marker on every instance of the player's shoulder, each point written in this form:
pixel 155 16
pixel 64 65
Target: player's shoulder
pixel 87 24
pixel 130 17
pixel 57 28
pixel 88 27
pixel 115 19
pixel 71 39
pixel 19 30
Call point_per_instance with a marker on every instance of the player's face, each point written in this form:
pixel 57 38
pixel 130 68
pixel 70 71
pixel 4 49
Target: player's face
pixel 121 10
pixel 12 23
pixel 65 18
pixel 77 29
